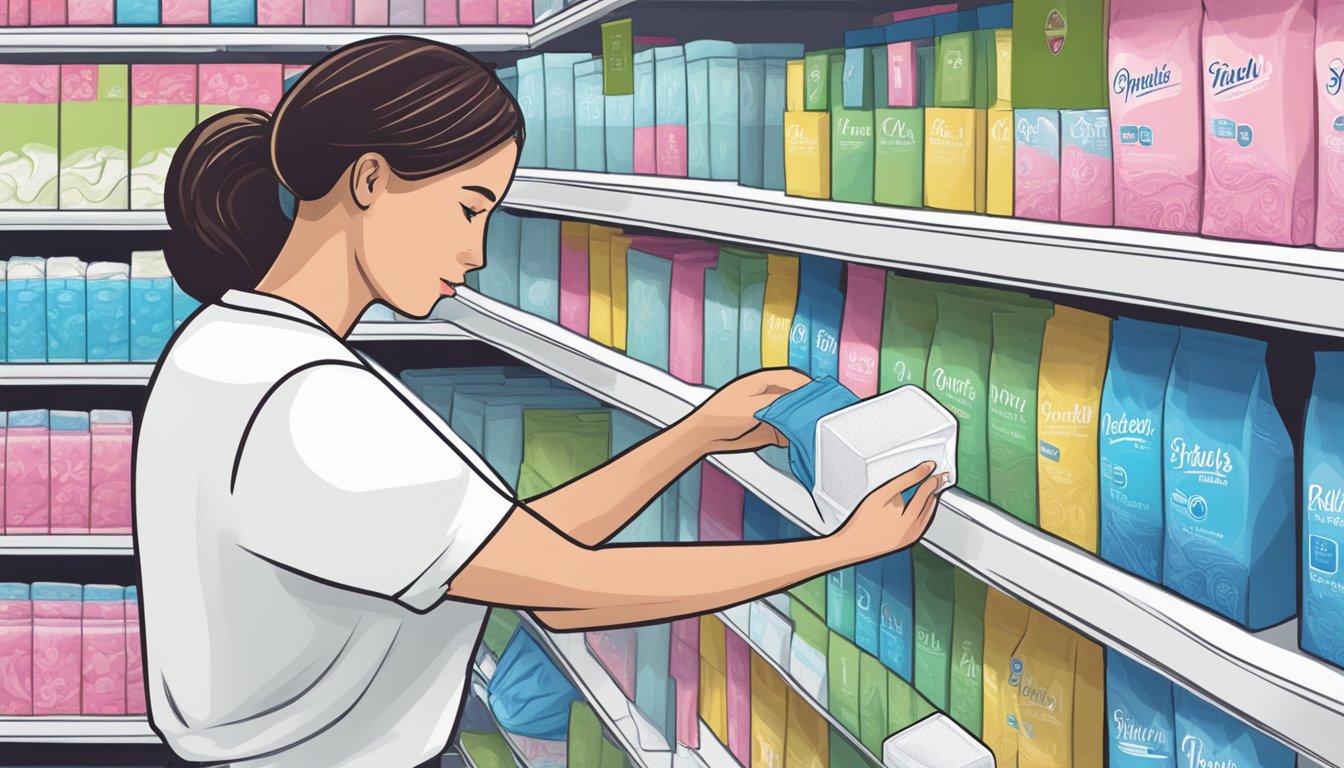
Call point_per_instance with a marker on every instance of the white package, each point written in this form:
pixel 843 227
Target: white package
pixel 935 742
pixel 863 446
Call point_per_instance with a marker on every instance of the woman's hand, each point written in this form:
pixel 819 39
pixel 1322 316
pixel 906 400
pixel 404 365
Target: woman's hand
pixel 727 423
pixel 884 523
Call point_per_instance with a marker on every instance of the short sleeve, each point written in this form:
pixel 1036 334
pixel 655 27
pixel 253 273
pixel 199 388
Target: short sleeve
pixel 340 479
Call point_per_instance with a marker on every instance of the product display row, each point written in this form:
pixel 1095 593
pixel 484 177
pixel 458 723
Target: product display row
pixel 67 649
pixel 63 310
pixel 65 472
pixel 331 13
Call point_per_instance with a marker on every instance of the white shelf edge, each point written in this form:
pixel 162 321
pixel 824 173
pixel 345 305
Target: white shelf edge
pixel 1283 692
pixel 1294 288
pixel 66 545
pixel 77 729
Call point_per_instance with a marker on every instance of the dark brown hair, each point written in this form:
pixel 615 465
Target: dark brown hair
pixel 426 107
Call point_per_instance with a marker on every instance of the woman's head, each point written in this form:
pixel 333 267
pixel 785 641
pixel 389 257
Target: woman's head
pixel 412 142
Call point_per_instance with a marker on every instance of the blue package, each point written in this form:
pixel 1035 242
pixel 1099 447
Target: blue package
pixel 711 109
pixel 532 102
pixel 751 306
pixel 183 305
pixel 104 593
pixel 508 77
pixel 648 307
pixel 688 505
pixel 865 37
pixel 539 267
pixel 1322 625
pixel 558 70
pixel 856 83
pixel 789 530
pixel 137 12
pixel 723 285
pixel 772 148
pixel 909 30
pixel 590 119
pixel 1140 728
pixel 796 414
pixel 626 432
pixel 1131 455
pixel 1207 736
pixel 840 602
pixel 67 323
pixel 233 12
pixel 4 312
pixel 151 306
pixel 27 309
pixel 751 89
pixel 52 590
pixel 811 270
pixel 544 9
pixel 896 639
pixel 825 308
pixel 868 605
pixel 655 695
pixel 108 293
pixel 620 127
pixel 1229 515
pixel 11 590
pixel 999 16
pixel 529 695
pixel 954 22
pixel 498 279
pixel 760 521
pixel 645 105
pixel 669 76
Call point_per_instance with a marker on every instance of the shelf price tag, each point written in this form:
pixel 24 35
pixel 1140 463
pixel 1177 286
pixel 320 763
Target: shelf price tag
pixel 618 58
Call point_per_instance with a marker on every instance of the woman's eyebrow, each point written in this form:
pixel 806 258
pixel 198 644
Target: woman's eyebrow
pixel 483 192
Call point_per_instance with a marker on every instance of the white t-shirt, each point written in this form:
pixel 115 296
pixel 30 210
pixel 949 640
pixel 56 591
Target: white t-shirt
pixel 299 516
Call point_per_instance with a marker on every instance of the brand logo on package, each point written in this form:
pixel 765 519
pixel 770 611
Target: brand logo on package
pixel 1230 81
pixel 1327 500
pixel 1138 85
pixel 1334 77
pixel 961 387
pixel 1123 429
pixel 1056 30
pixel 953 59
pixel 1210 466
pixel 1193 749
pixel 898 130
pixel 1138 740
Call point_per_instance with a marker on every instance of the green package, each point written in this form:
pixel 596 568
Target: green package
pixel 585 736
pixel 852 148
pixel 163 112
pixel 898 157
pixel 817 66
pixel 955 70
pixel 95 137
pixel 812 594
pixel 957 377
pixel 968 648
pixel 843 754
pixel 840 599
pixel 618 58
pixel 933 625
pixel 723 297
pixel 30 113
pixel 879 95
pixel 753 269
pixel 927 55
pixel 487 750
pixel 1059 54
pixel 560 445
pixel 499 629
pixel 612 756
pixel 1014 368
pixel 986 68
pixel 809 628
pixel 908 318
pixel 842 682
pixel 905 706
pixel 873 715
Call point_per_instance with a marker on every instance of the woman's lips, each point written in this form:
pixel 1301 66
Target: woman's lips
pixel 446 288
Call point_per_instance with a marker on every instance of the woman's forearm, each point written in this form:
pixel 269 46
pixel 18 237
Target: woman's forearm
pixel 595 506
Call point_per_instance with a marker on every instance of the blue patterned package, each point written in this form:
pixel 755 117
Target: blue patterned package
pixel 1322 624
pixel 796 414
pixel 183 305
pixel 800 333
pixel 4 311
pixel 896 633
pixel 648 300
pixel 868 605
pixel 67 322
pixel 620 128
pixel 647 527
pixel 711 109
pixel 1131 445
pixel 751 121
pixel 108 292
pixel 137 12
pixel 1229 541
pixel 1207 737
pixel 27 309
pixel 826 308
pixel 539 267
pixel 772 145
pixel 590 130
pixel 532 101
pixel 655 695
pixel 1139 723
pixel 503 248
pixel 233 12
pixel 559 74
pixel 151 305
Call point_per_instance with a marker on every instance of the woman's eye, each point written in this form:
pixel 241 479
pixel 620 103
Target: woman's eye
pixel 470 214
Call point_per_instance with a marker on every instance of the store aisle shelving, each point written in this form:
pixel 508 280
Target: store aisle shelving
pixel 1261 678
pixel 77 729
pixel 66 545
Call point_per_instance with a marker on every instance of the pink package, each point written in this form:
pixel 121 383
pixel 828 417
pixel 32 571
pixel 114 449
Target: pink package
pixel 91 12
pixel 16 650
pixel 18 13
pixel 27 473
pixel 1259 169
pixel 884 19
pixel 4 13
pixel 179 12
pixel 1330 113
pixel 1036 168
pixel 861 329
pixel 259 86
pixel 371 13
pixel 1086 192
pixel 479 13
pixel 1156 87
pixel 670 151
pixel 328 13
pixel 4 421
pixel 685 668
pixel 135 673
pixel 46 13
pixel 645 161
pixel 277 13
pixel 104 661
pixel 574 278
pixel 739 698
pixel 57 648
pixel 110 473
pixel 70 457
pixel 614 649
pixel 902 75
pixel 515 12
pixel 441 13
pixel 690 259
pixel 721 503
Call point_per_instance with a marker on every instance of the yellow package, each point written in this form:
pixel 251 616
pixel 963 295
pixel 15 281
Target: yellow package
pixel 714 676
pixel 807 154
pixel 620 289
pixel 599 283
pixel 793 85
pixel 781 299
pixel 1003 48
pixel 1073 368
pixel 769 715
pixel 1005 624
pixel 954 159
pixel 1046 658
pixel 1089 705
pixel 808 741
pixel 999 160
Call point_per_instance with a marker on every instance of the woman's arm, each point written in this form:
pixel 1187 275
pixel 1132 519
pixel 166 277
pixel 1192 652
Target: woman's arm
pixel 592 508
pixel 528 564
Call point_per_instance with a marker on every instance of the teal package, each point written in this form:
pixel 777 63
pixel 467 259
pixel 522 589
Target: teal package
pixel 810 271
pixel 669 76
pixel 151 317
pixel 647 527
pixel 750 307
pixel 711 109
pixel 825 306
pixel 760 522
pixel 239 13
pixel 503 246
pixel 772 146
pixel 856 89
pixel 539 267
pixel 620 129
pixel 751 87
pixel 137 12
pixel 840 602
pixel 559 85
pixel 590 130
pixel 648 302
pixel 688 505
pixel 655 693
pixel 508 76
pixel 722 297
pixel 867 605
pixel 878 91
pixel 183 305
pixel 1322 627
pixel 896 615
pixel 1131 445
pixel 1207 736
pixel 67 320
pixel 4 315
pixel 1141 731
pixel 532 102
pixel 1230 528
pixel 109 315
pixel 27 310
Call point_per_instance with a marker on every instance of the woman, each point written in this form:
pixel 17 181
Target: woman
pixel 317 550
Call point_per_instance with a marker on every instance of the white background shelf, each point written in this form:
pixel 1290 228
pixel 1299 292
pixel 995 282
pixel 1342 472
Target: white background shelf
pixel 72 729
pixel 75 544
pixel 1263 678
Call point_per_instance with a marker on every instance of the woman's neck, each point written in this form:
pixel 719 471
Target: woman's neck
pixel 318 270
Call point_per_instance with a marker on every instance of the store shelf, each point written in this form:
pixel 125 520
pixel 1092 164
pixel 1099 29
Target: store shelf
pixel 77 729
pixel 206 39
pixel 75 221
pixel 1261 678
pixel 1295 288
pixel 77 544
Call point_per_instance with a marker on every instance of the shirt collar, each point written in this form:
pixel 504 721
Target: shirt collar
pixel 267 303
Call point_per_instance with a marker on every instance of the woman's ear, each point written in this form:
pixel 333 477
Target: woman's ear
pixel 368 178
